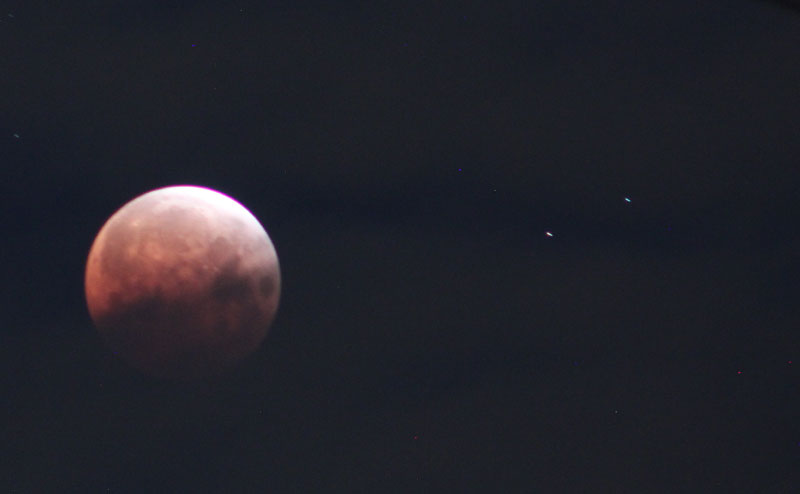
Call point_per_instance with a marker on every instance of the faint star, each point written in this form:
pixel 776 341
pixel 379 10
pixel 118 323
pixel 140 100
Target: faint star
pixel 16 136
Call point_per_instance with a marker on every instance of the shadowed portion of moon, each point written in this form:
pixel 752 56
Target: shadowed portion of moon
pixel 182 282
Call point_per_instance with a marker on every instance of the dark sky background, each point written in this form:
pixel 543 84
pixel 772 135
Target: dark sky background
pixel 407 161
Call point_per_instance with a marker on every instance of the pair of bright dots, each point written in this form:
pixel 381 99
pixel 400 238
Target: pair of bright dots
pixel 550 234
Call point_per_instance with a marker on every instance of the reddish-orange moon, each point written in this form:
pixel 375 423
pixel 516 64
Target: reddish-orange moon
pixel 182 282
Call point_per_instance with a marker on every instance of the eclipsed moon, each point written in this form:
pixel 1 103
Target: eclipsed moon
pixel 182 282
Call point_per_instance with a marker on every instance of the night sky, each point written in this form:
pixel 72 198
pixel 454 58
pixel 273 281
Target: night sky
pixel 534 246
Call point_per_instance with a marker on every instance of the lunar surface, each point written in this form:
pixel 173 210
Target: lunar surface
pixel 182 282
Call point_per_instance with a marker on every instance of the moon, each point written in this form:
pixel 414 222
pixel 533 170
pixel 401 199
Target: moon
pixel 182 282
